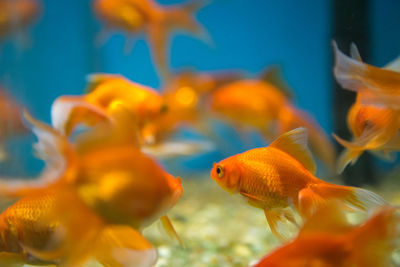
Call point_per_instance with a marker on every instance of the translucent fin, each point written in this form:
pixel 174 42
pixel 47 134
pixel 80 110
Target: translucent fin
pixel 53 148
pixel 273 75
pixel 294 143
pixel 354 197
pixel 355 54
pixel 123 246
pixel 348 156
pixel 278 222
pixel 393 65
pixel 67 112
pixel 379 85
pixel 169 228
pixel 308 201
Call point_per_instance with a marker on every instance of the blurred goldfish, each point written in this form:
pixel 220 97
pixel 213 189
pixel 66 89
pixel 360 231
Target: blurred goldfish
pixel 260 104
pixel 104 91
pixel 185 95
pixel 55 225
pixel 111 175
pixel 274 177
pixel 328 239
pixel 16 15
pixel 375 126
pixel 146 16
pixel 10 120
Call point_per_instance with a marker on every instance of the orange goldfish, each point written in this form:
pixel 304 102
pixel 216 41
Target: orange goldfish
pixel 16 15
pixel 105 90
pixel 259 104
pixel 109 172
pixel 185 96
pixel 157 22
pixel 274 177
pixel 327 239
pixel 55 225
pixel 375 126
pixel 10 121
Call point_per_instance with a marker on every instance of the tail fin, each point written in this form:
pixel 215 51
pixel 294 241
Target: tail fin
pixel 375 241
pixel 123 246
pixel 55 150
pixel 173 18
pixel 68 111
pixel 353 197
pixel 357 76
pixel 348 156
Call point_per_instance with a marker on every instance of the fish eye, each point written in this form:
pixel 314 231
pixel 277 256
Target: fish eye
pixel 220 171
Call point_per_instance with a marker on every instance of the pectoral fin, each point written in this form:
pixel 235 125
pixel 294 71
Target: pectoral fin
pixel 278 222
pixel 169 228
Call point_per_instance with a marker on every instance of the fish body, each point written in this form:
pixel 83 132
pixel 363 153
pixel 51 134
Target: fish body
pixel 148 17
pixel 106 91
pixel 338 243
pixel 261 105
pixel 185 95
pixel 54 225
pixel 280 175
pixel 16 15
pixel 374 118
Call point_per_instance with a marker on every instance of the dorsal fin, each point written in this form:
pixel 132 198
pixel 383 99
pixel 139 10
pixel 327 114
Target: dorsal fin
pixel 355 54
pixel 333 219
pixel 273 75
pixel 294 143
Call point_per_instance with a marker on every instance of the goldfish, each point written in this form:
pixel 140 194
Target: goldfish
pixel 54 225
pixel 148 17
pixel 276 177
pixel 109 172
pixel 328 239
pixel 105 90
pixel 10 121
pixel 16 15
pixel 260 104
pixel 375 126
pixel 185 95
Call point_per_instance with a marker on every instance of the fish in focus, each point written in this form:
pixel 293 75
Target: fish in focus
pixel 262 105
pixel 10 121
pixel 374 124
pixel 16 15
pixel 276 177
pixel 328 239
pixel 148 17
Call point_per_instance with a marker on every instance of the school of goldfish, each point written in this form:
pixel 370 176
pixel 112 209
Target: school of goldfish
pixel 102 183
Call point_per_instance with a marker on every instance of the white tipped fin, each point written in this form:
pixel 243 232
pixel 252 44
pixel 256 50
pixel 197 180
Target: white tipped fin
pixel 52 147
pixel 294 143
pixel 123 246
pixel 393 65
pixel 355 54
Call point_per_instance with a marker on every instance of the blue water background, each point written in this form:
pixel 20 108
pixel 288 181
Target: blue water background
pixel 247 35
